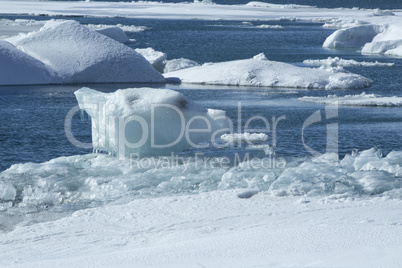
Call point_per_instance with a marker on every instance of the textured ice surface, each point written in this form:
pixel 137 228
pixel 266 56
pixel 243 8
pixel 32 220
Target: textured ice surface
pixel 259 71
pixel 148 121
pixel 79 55
pixel 356 100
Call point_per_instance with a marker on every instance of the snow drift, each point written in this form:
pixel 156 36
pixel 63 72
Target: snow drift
pixel 76 54
pixel 148 121
pixel 259 71
pixel 371 100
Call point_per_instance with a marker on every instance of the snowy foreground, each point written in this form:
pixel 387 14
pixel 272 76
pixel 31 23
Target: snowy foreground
pixel 216 229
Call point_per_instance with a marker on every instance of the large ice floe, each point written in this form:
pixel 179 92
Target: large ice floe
pixel 72 53
pixel 370 100
pixel 148 121
pixel 372 39
pixel 261 72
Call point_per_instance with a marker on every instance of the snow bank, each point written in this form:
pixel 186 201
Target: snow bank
pixel 79 55
pixel 156 58
pixel 18 68
pixel 261 72
pixel 179 64
pixel 248 137
pixel 356 100
pixel 374 39
pixel 147 121
pixel 336 61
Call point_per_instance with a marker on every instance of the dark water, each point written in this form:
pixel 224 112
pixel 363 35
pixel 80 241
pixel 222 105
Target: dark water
pixel 32 117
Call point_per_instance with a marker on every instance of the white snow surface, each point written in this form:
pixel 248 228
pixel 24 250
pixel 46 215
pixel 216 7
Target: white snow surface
pixel 337 213
pixel 259 71
pixel 116 33
pixel 148 121
pixel 371 100
pixel 336 61
pixel 77 54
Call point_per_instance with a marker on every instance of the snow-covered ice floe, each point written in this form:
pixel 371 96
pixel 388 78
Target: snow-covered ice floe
pixel 72 53
pixel 156 58
pixel 363 99
pixel 261 72
pixel 372 39
pixel 148 121
pixel 336 61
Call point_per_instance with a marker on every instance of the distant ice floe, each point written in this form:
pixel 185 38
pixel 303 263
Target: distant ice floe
pixel 148 121
pixel 363 99
pixel 268 26
pixel 269 5
pixel 259 71
pixel 72 53
pixel 372 39
pixel 336 61
pixel 247 137
pixel 179 64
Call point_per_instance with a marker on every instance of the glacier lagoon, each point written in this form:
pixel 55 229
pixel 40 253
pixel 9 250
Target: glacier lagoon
pixel 33 131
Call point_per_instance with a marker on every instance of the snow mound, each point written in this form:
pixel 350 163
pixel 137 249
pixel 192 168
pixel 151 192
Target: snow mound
pixel 248 137
pixel 264 73
pixel 179 64
pixel 336 61
pixel 79 55
pixel 18 68
pixel 156 58
pixel 353 37
pixel 374 39
pixel 356 100
pixel 148 121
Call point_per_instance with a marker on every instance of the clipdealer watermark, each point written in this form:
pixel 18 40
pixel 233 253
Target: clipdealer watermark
pixel 109 134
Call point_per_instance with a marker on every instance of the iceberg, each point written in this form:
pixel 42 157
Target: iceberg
pixel 77 54
pixel 372 39
pixel 363 99
pixel 261 72
pixel 147 121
